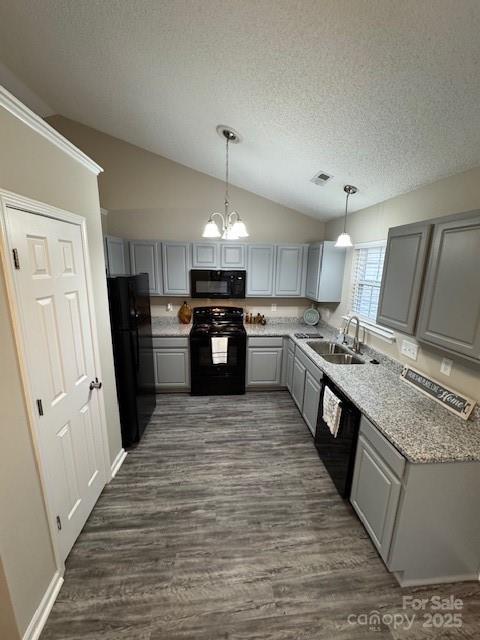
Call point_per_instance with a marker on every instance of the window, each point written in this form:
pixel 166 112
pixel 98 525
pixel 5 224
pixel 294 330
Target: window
pixel 367 277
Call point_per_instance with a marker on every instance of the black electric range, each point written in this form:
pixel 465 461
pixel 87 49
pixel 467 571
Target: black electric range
pixel 214 373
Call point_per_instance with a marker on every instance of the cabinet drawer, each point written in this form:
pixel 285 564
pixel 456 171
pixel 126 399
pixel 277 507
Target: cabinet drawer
pixel 260 341
pixel 167 341
pixel 387 451
pixel 309 365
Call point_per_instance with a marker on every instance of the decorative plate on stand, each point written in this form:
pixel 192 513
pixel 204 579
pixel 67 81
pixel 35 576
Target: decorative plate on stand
pixel 311 316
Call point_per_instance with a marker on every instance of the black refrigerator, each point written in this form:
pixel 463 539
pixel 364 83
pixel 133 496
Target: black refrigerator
pixel 131 325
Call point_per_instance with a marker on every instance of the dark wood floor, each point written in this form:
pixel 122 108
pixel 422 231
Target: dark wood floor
pixel 223 524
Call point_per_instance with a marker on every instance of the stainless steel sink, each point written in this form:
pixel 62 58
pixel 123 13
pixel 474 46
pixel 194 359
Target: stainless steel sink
pixel 334 352
pixel 326 348
pixel 342 358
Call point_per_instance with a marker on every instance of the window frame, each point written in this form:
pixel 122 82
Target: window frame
pixel 366 323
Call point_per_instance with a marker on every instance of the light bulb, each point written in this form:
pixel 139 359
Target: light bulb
pixel 211 230
pixel 230 234
pixel 344 240
pixel 240 229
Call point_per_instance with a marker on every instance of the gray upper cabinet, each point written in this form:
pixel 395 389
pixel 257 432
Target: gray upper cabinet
pixel 232 256
pixel 325 267
pixel 403 269
pixel 205 255
pixel 176 268
pixel 116 256
pixel 145 257
pixel 260 270
pixel 450 313
pixel 290 270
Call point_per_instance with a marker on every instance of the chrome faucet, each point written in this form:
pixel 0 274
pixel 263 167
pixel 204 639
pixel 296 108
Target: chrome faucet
pixel 356 342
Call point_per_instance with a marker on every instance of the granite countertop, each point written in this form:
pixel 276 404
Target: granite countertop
pixel 422 430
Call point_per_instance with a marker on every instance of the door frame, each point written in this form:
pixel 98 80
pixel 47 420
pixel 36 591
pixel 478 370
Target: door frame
pixel 21 203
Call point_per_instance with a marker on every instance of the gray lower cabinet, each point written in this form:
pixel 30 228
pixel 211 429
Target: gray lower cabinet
pixel 290 270
pixel 298 382
pixel 171 364
pixel 176 260
pixel 450 312
pixel 145 257
pixel 290 359
pixel 325 267
pixel 311 401
pixel 260 270
pixel 375 494
pixel 264 362
pixel 305 387
pixel 403 269
pixel 423 518
pixel 116 256
pixel 232 255
pixel 205 255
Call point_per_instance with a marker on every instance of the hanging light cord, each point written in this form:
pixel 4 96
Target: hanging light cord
pixel 346 210
pixel 226 180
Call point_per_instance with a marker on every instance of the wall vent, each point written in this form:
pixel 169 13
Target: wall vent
pixel 321 178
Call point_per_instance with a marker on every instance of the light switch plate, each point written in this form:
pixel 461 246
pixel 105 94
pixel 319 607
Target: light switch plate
pixel 169 306
pixel 409 349
pixel 274 307
pixel 446 366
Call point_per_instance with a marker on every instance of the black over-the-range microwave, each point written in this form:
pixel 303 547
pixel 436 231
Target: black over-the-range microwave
pixel 217 284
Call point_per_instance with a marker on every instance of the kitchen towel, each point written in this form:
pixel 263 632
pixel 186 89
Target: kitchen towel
pixel 332 410
pixel 219 350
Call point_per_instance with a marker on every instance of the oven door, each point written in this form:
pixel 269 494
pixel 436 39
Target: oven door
pixel 208 378
pixel 217 284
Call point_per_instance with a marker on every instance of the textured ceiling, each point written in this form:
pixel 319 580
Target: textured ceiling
pixel 381 94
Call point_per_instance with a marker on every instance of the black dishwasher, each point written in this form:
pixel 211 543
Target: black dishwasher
pixel 338 453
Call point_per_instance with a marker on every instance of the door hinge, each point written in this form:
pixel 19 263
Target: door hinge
pixel 40 407
pixel 59 523
pixel 16 259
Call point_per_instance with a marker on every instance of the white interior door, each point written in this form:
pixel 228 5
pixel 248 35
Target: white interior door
pixel 51 288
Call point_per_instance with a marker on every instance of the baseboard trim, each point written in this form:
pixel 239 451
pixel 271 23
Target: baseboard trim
pixel 40 616
pixel 117 463
pixel 419 582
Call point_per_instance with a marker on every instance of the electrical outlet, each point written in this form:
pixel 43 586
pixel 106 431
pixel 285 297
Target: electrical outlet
pixel 274 307
pixel 169 306
pixel 409 349
pixel 446 366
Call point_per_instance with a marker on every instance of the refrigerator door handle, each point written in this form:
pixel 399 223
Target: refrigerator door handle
pixel 137 339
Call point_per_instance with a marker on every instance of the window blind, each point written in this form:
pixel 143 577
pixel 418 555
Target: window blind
pixel 366 280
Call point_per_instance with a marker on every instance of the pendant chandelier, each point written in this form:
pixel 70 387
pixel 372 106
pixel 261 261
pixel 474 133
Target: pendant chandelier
pixel 231 225
pixel 344 239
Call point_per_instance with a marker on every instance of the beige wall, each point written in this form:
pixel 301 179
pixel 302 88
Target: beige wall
pixel 149 196
pixel 451 195
pixel 286 307
pixel 33 167
pixel 8 624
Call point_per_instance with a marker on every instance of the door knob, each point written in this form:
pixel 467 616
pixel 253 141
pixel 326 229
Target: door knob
pixel 95 384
